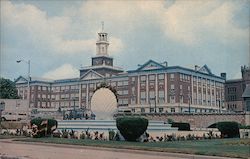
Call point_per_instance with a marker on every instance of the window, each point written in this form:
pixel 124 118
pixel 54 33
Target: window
pixel 151 77
pixel 172 99
pixel 152 110
pixel 160 110
pixel 84 86
pixel 161 97
pixel 119 83
pixel 91 85
pixel 125 83
pixel 171 77
pixel 125 92
pixel 161 76
pixel 172 110
pixel 143 110
pixel 143 78
pixel 143 94
pixel 172 87
pixel 151 94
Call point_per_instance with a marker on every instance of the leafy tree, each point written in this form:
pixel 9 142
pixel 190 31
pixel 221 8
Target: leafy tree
pixel 8 89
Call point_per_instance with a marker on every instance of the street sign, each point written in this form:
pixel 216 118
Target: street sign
pixel 2 106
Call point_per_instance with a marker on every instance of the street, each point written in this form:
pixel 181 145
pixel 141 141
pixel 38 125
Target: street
pixel 20 150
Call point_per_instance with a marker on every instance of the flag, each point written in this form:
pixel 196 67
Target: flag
pixel 44 122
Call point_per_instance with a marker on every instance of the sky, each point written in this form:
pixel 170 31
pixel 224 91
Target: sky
pixel 59 36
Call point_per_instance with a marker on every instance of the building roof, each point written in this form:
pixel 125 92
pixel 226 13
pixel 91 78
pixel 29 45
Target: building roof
pixel 246 93
pixel 152 65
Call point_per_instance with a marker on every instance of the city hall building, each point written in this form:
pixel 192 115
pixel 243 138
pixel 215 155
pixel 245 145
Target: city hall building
pixel 152 87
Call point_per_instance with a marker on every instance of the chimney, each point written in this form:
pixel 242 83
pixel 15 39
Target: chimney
pixel 223 75
pixel 196 67
pixel 165 63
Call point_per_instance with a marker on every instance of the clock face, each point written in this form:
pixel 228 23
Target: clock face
pixel 96 62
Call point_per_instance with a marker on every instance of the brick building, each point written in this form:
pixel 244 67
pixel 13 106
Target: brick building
pixel 152 87
pixel 234 89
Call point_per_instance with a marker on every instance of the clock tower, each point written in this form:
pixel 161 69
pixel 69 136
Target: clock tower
pixel 102 57
pixel 102 63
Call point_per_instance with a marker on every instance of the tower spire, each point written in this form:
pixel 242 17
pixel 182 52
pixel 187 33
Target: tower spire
pixel 102 26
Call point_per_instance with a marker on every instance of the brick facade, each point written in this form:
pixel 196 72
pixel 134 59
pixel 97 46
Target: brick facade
pixel 152 87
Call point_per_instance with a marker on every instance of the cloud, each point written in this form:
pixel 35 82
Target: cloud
pixel 62 72
pixel 115 45
pixel 188 22
pixel 43 31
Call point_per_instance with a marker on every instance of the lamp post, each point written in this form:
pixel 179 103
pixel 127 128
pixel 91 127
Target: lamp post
pixel 155 104
pixel 189 102
pixel 27 62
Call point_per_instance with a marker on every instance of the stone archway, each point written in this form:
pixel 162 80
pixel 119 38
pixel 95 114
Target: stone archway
pixel 104 102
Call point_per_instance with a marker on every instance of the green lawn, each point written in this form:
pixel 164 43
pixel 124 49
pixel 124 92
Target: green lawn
pixel 216 147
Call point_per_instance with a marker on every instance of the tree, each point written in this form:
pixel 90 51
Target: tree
pixel 8 89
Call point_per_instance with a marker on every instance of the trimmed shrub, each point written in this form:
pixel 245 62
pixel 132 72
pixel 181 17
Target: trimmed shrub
pixel 44 126
pixel 181 126
pixel 214 125
pixel 228 129
pixel 131 128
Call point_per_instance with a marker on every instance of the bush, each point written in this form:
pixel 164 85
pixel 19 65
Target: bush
pixel 181 126
pixel 214 125
pixel 131 128
pixel 43 128
pixel 228 129
pixel 244 126
pixel 111 135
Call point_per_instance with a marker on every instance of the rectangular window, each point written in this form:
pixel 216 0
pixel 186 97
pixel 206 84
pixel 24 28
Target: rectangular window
pixel 172 86
pixel 172 110
pixel 143 110
pixel 160 110
pixel 125 83
pixel 143 78
pixel 172 76
pixel 151 77
pixel 91 85
pixel 172 99
pixel 152 110
pixel 143 94
pixel 161 76
pixel 84 86
pixel 151 94
pixel 119 83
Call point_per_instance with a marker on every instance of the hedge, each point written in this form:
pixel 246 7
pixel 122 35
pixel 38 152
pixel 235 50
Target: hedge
pixel 228 129
pixel 181 126
pixel 131 128
pixel 42 126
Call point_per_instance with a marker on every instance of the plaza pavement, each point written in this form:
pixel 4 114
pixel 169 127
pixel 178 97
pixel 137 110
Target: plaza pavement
pixel 24 150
